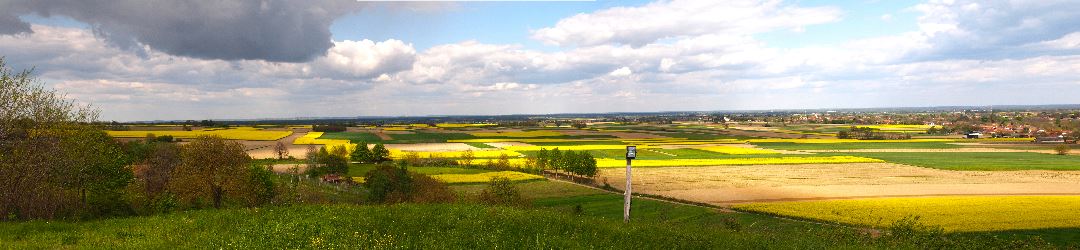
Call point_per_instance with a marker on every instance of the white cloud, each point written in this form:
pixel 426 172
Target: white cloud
pixel 692 63
pixel 365 58
pixel 621 72
pixel 638 26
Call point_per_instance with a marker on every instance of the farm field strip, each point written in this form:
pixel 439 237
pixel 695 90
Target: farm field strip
pixel 995 161
pixel 485 177
pixel 737 150
pixel 399 154
pixel 612 163
pixel 241 133
pixel 954 213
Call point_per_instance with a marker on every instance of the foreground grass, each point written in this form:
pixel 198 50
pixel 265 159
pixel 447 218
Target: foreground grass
pixel 457 226
pixel 400 226
pixel 954 213
pixel 980 161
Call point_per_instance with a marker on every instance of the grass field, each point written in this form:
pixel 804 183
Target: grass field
pixel 981 161
pixel 479 145
pixel 960 214
pixel 447 226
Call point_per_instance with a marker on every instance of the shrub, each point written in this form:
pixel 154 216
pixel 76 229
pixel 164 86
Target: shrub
pixel 388 184
pixel 1062 149
pixel 500 191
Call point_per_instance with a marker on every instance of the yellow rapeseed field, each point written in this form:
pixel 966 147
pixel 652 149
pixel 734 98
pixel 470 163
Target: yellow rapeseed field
pixel 240 133
pixel 526 140
pixel 485 177
pixel 517 134
pixel 953 213
pixel 610 163
pixel 398 154
pixel 737 150
pixel 570 147
pixel 312 138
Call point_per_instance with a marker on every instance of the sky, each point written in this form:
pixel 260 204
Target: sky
pixel 248 59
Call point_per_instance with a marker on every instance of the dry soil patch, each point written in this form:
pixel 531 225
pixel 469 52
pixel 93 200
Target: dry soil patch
pixel 723 185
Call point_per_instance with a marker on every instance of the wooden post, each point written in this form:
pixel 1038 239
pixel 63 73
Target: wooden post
pixel 626 198
pixel 631 153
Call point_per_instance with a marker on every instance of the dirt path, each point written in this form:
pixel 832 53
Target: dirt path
pixel 724 185
pixel 265 149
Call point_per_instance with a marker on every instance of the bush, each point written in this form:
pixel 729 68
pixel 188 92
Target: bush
pixel 388 184
pixel 500 191
pixel 1062 149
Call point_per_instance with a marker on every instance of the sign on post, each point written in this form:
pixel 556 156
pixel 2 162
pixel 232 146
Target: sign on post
pixel 631 153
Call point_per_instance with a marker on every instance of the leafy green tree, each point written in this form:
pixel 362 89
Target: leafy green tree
pixel 362 153
pixel 211 168
pixel 542 159
pixel 555 160
pixel 380 153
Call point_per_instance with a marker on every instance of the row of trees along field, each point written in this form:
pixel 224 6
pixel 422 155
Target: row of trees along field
pixel 578 163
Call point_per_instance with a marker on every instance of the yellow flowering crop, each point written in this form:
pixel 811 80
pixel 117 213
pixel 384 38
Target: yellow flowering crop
pixel 240 133
pixel 312 138
pixel 485 177
pixel 569 147
pixel 398 154
pixel 737 150
pixel 610 163
pixel 952 213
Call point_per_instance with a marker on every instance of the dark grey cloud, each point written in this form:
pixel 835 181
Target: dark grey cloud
pixel 271 30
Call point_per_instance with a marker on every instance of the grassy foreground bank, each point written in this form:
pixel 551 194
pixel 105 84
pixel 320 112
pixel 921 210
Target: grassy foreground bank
pixel 426 226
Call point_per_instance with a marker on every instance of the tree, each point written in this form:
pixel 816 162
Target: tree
pixel 362 153
pixel 503 162
pixel 42 175
pixel 555 160
pixel 380 153
pixel 161 160
pixel 324 162
pixel 281 150
pixel 467 157
pixel 589 167
pixel 211 168
pixel 542 159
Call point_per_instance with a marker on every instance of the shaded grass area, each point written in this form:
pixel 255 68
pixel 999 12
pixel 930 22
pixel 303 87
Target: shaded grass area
pixel 1068 238
pixel 979 161
pixel 479 145
pixel 855 145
